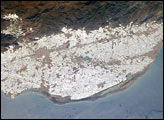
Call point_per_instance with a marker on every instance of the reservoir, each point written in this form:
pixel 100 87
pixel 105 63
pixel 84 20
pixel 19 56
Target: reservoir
pixel 143 99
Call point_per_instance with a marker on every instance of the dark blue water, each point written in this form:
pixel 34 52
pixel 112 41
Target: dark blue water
pixel 143 99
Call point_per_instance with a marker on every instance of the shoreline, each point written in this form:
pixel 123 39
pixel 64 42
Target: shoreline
pixel 114 89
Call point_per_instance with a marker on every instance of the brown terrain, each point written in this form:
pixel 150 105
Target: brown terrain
pixel 49 17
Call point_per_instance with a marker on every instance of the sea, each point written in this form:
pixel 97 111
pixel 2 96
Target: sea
pixel 143 99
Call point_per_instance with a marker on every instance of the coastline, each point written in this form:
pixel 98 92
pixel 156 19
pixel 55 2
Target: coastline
pixel 116 88
pixel 142 97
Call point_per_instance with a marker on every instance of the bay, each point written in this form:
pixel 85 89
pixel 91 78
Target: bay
pixel 143 99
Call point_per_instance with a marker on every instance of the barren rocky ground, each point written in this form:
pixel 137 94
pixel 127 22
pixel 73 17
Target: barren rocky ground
pixel 49 17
